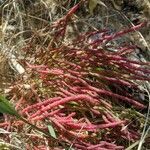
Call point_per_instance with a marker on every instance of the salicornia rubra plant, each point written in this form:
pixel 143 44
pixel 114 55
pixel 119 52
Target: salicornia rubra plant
pixel 80 88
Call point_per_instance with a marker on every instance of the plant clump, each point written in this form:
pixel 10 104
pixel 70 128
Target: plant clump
pixel 79 89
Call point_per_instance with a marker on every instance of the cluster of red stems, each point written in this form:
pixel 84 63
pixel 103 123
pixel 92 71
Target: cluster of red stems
pixel 81 77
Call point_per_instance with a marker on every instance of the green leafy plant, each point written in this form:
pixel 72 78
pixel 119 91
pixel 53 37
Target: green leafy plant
pixel 51 131
pixel 7 108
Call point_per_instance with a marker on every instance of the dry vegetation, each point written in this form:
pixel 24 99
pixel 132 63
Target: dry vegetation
pixel 79 71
